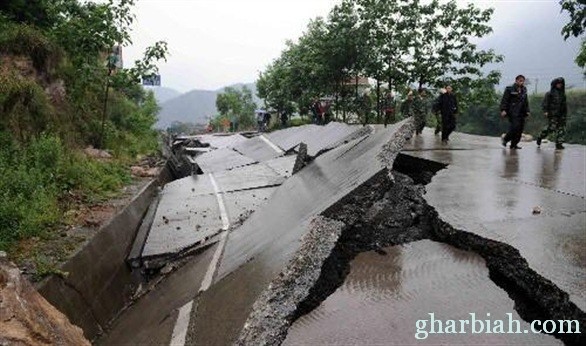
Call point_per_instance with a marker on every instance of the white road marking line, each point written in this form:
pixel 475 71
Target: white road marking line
pixel 223 213
pixel 209 277
pixel 271 144
pixel 181 325
pixel 184 316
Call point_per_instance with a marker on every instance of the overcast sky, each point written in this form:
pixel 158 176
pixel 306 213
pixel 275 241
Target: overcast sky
pixel 214 43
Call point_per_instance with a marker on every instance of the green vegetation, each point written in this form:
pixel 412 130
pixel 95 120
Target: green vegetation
pixel 235 106
pixel 397 43
pixel 60 91
pixel 576 26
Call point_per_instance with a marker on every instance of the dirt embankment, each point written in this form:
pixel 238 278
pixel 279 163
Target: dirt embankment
pixel 26 318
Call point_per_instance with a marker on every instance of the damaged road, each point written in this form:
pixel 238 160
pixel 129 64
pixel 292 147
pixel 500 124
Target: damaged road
pixel 363 241
pixel 376 216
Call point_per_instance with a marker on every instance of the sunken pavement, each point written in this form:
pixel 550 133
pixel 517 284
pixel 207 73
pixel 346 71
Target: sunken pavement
pixel 345 234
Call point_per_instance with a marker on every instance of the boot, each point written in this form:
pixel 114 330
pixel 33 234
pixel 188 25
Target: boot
pixel 559 146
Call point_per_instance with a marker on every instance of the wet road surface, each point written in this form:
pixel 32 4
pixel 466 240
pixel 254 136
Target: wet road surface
pixel 384 296
pixel 492 191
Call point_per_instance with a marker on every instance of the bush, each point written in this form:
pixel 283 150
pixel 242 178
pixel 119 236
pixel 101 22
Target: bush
pixel 28 195
pixel 298 121
pixel 24 107
pixel 22 39
pixel 38 179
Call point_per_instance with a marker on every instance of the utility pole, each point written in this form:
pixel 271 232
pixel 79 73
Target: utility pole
pixel 111 63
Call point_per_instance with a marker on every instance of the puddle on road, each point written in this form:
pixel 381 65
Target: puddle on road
pixel 384 296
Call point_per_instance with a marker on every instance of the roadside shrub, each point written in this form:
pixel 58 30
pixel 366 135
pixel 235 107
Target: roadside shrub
pixel 28 194
pixel 24 107
pixel 23 39
pixel 298 121
pixel 38 179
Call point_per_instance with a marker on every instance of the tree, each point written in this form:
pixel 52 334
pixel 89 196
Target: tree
pixel 234 104
pixel 397 41
pixel 576 26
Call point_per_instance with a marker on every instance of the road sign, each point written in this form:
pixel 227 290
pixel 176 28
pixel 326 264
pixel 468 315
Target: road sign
pixel 152 80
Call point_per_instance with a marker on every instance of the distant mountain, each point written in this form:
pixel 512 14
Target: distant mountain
pixel 195 106
pixel 163 94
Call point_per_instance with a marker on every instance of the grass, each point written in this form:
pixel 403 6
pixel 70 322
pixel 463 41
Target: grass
pixel 40 180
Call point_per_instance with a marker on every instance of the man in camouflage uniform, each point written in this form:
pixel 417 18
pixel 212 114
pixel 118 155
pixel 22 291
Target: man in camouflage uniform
pixel 419 109
pixel 389 108
pixel 407 106
pixel 556 110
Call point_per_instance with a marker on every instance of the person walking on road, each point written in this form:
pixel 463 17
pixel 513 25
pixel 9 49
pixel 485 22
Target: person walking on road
pixel 389 108
pixel 556 110
pixel 419 111
pixel 515 106
pixel 435 109
pixel 448 106
pixel 407 105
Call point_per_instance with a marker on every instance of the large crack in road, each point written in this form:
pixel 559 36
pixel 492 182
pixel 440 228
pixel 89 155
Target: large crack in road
pixel 390 210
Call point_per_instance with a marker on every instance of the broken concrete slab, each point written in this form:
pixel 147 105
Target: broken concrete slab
pixel 221 141
pixel 248 177
pixel 222 159
pixel 317 138
pixel 319 185
pixel 387 292
pixel 258 149
pixel 180 223
pixel 282 165
pixel 189 213
pixel 256 252
pixel 289 138
pixel 240 204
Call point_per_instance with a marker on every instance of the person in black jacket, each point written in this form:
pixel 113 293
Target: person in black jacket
pixel 448 107
pixel 515 106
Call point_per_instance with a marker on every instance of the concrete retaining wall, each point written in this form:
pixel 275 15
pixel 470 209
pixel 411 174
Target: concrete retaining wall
pixel 100 283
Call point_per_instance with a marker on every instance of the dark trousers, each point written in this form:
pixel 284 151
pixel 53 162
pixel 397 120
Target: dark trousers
pixel 516 125
pixel 448 125
pixel 438 123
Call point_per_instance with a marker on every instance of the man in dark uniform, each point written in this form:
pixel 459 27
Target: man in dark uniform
pixel 448 106
pixel 515 106
pixel 555 109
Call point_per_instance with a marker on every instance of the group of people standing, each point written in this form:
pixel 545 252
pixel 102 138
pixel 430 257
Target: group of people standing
pixel 445 108
pixel 514 106
pixel 320 111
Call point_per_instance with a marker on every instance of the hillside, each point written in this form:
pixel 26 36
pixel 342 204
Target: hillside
pixel 163 94
pixel 195 106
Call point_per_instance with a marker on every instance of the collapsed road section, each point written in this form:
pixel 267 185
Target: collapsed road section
pixel 355 247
